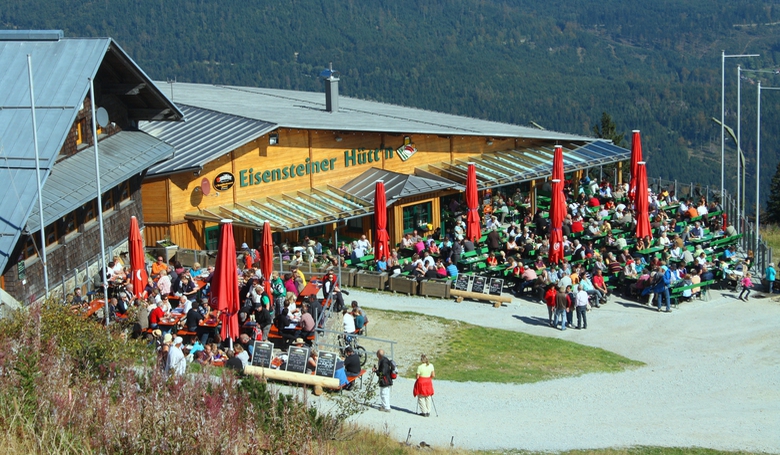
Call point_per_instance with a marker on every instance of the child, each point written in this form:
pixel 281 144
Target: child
pixel 746 285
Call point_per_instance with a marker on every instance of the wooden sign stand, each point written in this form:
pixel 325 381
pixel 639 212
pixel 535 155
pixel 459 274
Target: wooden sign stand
pixel 496 300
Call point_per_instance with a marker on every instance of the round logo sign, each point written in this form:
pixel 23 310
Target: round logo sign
pixel 224 181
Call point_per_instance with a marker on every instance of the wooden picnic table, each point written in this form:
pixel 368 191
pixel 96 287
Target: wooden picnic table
pixel 312 288
pixel 651 250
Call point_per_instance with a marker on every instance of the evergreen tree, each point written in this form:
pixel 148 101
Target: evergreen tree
pixel 773 204
pixel 606 129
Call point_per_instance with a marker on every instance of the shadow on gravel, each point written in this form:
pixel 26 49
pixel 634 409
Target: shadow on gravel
pixel 533 320
pixel 631 304
pixel 408 411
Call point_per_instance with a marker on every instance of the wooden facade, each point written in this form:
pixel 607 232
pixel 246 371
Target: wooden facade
pixel 302 159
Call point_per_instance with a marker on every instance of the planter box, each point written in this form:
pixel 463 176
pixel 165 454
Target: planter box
pixel 167 251
pixel 435 288
pixel 403 285
pixel 371 280
pixel 348 276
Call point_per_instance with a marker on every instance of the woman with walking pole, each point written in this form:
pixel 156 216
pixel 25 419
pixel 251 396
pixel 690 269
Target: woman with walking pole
pixel 423 386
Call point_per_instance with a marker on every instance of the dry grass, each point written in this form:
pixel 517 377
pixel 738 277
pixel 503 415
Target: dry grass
pixel 771 234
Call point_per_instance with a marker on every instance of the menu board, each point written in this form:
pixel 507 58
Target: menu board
pixel 297 359
pixel 326 364
pixel 478 285
pixel 462 282
pixel 262 354
pixel 496 286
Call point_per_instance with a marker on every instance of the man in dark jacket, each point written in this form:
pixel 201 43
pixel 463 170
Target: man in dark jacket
pixel 384 370
pixel 351 362
pixel 493 240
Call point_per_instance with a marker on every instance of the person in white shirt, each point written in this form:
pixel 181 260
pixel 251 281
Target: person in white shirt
pixel 581 305
pixel 663 240
pixel 348 321
pixel 176 364
pixel 364 244
pixel 702 209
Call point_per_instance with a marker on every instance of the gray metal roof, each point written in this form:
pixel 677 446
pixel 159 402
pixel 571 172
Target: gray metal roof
pixel 72 183
pixel 203 137
pixel 61 69
pixel 306 110
pixel 397 185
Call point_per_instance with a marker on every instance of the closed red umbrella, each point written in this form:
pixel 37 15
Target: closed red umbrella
pixel 472 202
pixel 224 284
pixel 137 259
pixel 641 203
pixel 557 208
pixel 636 157
pixel 380 221
pixel 267 258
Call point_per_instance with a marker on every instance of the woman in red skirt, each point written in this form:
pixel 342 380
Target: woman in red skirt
pixel 423 386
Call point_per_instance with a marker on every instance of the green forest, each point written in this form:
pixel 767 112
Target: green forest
pixel 653 66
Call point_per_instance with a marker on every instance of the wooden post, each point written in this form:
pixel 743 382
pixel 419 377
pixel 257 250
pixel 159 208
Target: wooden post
pixel 533 197
pixel 494 299
pixel 300 378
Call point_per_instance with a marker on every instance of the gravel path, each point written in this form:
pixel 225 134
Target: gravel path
pixel 711 380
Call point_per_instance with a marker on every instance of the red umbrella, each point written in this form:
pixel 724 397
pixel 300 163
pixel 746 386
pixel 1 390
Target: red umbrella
pixel 139 276
pixel 472 202
pixel 557 208
pixel 641 203
pixel 636 157
pixel 267 258
pixel 224 284
pixel 380 221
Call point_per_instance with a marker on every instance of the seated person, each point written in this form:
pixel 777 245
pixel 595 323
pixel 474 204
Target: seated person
pixel 351 362
pixel 491 260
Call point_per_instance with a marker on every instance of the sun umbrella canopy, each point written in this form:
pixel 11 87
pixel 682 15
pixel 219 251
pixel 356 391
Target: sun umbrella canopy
pixel 224 284
pixel 137 259
pixel 641 202
pixel 267 257
pixel 557 208
pixel 636 157
pixel 472 202
pixel 380 221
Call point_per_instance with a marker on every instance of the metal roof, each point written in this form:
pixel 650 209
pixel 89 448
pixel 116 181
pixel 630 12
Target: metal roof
pixel 306 110
pixel 203 137
pixel 61 69
pixel 290 211
pixel 513 166
pixel 397 185
pixel 72 183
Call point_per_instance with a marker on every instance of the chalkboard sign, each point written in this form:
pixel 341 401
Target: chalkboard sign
pixel 496 286
pixel 462 282
pixel 262 354
pixel 478 285
pixel 297 359
pixel 326 364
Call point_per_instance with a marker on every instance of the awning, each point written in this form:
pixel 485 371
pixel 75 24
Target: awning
pixel 528 163
pixel 397 185
pixel 290 211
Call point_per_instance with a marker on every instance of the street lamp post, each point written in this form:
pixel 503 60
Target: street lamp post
pixel 758 160
pixel 723 58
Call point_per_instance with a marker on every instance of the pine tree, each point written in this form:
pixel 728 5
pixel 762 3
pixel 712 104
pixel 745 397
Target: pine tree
pixel 606 129
pixel 773 204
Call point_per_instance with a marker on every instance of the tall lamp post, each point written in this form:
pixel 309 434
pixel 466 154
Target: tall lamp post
pixel 723 58
pixel 758 159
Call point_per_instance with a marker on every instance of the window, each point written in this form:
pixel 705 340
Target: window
pixel 108 201
pixel 355 224
pixel 81 131
pixel 312 232
pixel 416 216
pixel 51 234
pixel 68 223
pixel 29 248
pixel 212 237
pixel 86 213
pixel 124 191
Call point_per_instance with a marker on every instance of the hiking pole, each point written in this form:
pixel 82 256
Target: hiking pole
pixel 434 406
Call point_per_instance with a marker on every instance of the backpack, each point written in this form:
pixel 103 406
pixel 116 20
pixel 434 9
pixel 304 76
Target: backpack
pixel 394 371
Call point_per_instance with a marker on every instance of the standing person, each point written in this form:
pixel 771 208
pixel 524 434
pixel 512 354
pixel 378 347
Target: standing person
pixel 747 283
pixel 662 288
pixel 176 364
pixel 549 299
pixel 561 306
pixel 279 292
pixel 582 307
pixel 423 386
pixel 384 371
pixel 770 275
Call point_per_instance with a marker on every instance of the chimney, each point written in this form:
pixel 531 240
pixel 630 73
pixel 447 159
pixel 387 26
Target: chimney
pixel 331 88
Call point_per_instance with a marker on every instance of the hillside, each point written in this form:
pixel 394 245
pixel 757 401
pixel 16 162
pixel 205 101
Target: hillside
pixel 652 65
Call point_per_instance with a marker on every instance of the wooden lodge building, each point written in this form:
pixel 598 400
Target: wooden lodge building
pixel 307 162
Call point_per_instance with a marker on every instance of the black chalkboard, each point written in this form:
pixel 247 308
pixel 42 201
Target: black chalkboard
pixel 262 354
pixel 478 285
pixel 462 282
pixel 326 364
pixel 297 359
pixel 496 286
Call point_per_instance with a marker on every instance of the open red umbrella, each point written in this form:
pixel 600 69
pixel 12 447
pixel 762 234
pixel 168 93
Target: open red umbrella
pixel 472 202
pixel 557 208
pixel 137 259
pixel 636 157
pixel 267 258
pixel 380 221
pixel 641 203
pixel 224 284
